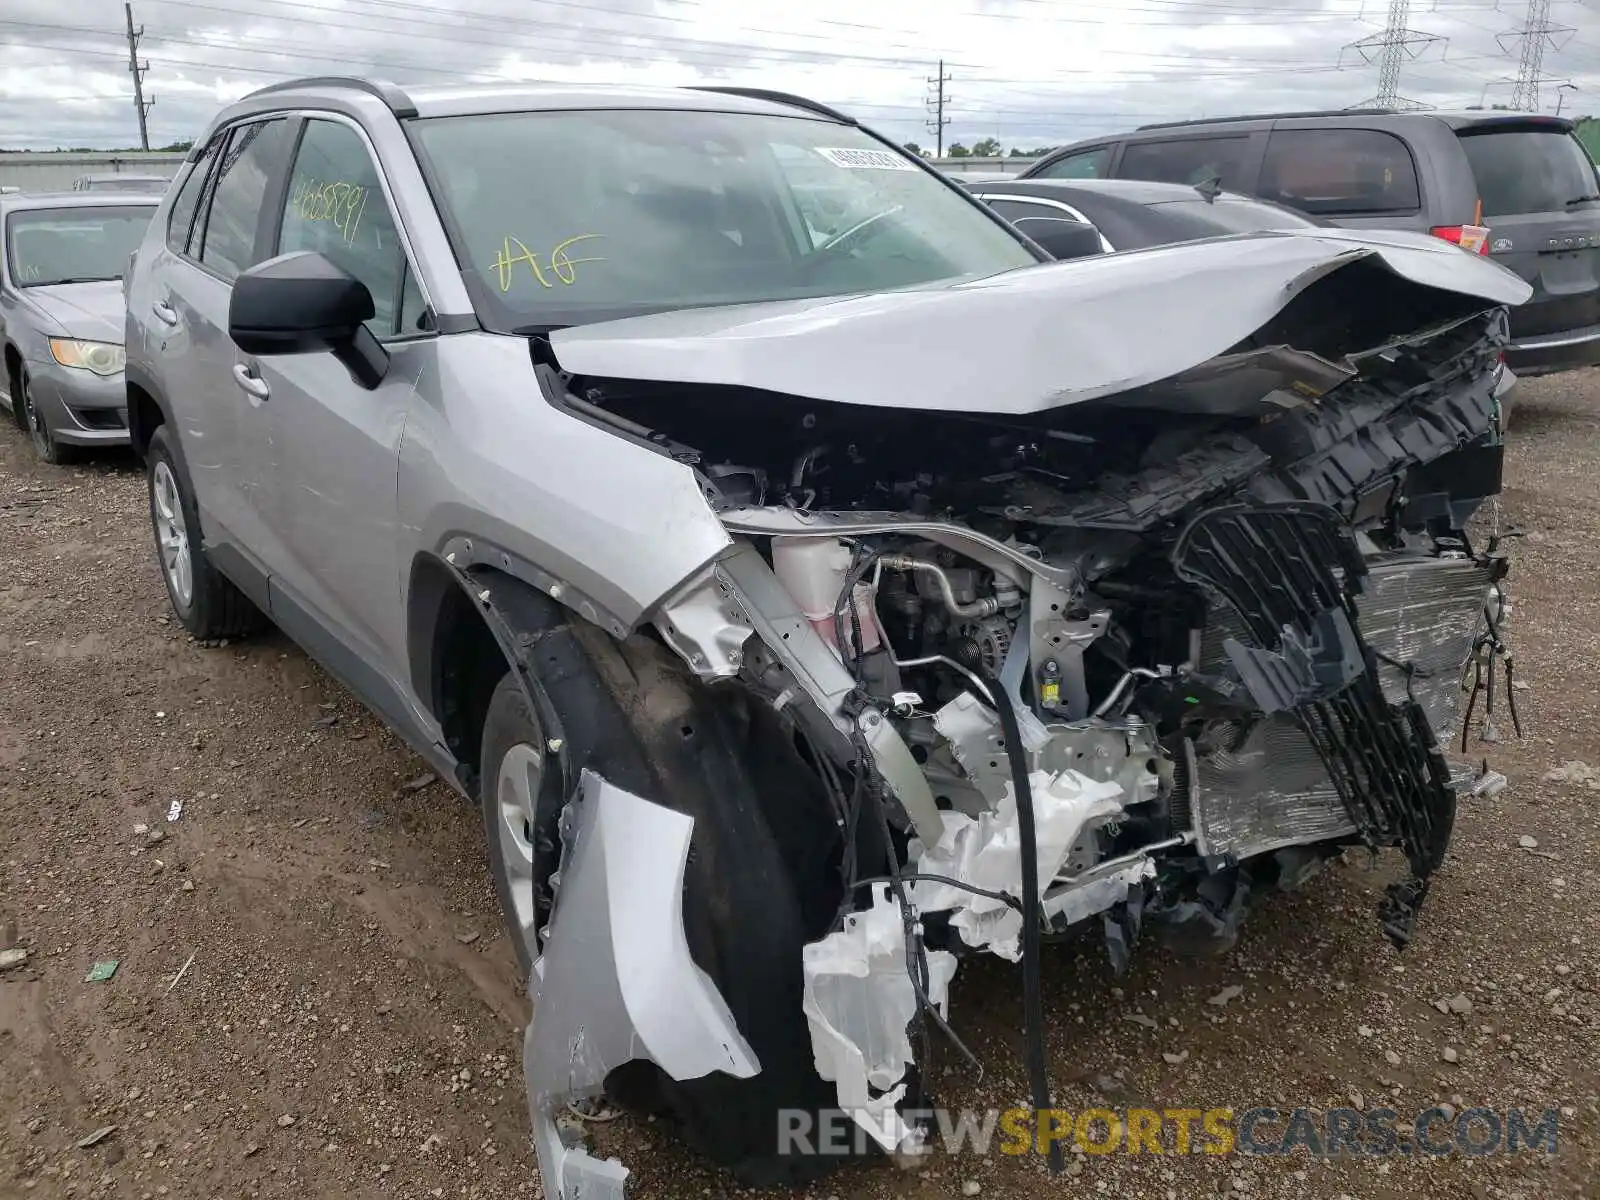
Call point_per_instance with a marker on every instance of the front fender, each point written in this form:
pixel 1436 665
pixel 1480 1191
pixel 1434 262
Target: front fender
pixel 494 473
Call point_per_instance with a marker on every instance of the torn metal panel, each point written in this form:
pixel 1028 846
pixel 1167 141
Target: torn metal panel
pixel 1271 789
pixel 987 853
pixel 616 982
pixel 911 348
pixel 859 1002
pixel 706 626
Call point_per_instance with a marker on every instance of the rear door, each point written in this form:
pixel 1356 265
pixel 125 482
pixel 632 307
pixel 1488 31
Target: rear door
pixel 225 436
pixel 1232 159
pixel 1541 203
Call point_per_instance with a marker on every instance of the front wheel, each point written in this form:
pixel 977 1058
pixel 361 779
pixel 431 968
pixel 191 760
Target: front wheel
pixel 33 420
pixel 205 601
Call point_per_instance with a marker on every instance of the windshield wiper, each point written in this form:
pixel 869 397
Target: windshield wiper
pixel 77 279
pixel 1581 200
pixel 536 330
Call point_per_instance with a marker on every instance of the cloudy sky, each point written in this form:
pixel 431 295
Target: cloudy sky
pixel 1028 72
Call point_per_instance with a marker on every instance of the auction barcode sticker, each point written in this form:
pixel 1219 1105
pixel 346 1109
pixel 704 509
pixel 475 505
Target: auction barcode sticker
pixel 867 160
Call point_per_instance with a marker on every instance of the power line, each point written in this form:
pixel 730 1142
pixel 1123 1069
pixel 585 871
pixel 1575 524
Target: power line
pixel 1389 49
pixel 137 69
pixel 1537 33
pixel 937 120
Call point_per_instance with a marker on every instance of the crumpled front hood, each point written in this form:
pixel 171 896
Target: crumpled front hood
pixel 1024 341
pixel 93 311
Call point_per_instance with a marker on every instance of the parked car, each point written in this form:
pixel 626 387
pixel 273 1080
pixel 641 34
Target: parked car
pixel 121 181
pixel 1518 187
pixel 62 315
pixel 1128 214
pixel 759 573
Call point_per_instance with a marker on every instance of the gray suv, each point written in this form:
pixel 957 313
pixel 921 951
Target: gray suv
pixel 814 585
pixel 1518 187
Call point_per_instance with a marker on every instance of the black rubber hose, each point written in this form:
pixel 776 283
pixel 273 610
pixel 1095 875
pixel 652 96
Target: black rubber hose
pixel 1032 984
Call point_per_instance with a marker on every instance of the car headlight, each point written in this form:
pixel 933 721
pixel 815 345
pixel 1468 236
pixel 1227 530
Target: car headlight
pixel 103 358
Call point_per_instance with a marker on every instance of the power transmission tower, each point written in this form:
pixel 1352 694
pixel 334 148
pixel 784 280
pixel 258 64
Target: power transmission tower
pixel 936 118
pixel 137 69
pixel 1538 32
pixel 1397 43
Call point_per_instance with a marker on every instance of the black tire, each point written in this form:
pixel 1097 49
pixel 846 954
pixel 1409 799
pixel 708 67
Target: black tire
pixel 631 712
pixel 14 390
pixel 33 422
pixel 509 723
pixel 215 608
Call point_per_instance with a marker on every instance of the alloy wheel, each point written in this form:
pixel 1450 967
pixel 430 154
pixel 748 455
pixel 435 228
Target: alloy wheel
pixel 516 795
pixel 172 534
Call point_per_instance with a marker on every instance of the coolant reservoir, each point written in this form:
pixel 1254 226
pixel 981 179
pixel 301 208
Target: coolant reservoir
pixel 813 569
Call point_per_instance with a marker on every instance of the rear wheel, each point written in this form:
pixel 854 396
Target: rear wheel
pixel 207 604
pixel 754 891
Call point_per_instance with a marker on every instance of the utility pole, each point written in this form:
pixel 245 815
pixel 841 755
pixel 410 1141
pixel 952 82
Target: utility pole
pixel 1389 49
pixel 137 69
pixel 1537 34
pixel 937 120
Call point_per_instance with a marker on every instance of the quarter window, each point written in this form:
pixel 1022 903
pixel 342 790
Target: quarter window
pixel 1339 171
pixel 335 206
pixel 1086 164
pixel 1187 160
pixel 252 158
pixel 180 220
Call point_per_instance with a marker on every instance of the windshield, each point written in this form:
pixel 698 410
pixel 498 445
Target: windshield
pixel 1529 171
pixel 562 218
pixel 73 245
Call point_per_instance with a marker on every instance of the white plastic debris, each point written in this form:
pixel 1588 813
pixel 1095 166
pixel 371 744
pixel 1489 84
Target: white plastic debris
pixel 175 810
pixel 1490 783
pixel 987 852
pixel 858 1001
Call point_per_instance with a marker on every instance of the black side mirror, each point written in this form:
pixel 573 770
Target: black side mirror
pixel 1061 237
pixel 301 303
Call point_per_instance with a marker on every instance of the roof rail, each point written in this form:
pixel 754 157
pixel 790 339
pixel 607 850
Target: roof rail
pixel 1277 116
pixel 399 103
pixel 788 98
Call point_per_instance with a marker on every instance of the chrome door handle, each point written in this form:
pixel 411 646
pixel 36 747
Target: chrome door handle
pixel 250 381
pixel 165 313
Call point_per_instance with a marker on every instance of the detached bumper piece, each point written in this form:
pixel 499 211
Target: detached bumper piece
pixel 1291 573
pixel 616 982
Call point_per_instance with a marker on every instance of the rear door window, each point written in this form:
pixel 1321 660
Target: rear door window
pixel 1086 164
pixel 180 219
pixel 1343 171
pixel 1187 160
pixel 252 160
pixel 1529 170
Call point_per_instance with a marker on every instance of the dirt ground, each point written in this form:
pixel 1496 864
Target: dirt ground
pixel 313 996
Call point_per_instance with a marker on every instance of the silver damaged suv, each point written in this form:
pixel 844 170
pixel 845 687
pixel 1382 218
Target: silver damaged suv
pixel 814 585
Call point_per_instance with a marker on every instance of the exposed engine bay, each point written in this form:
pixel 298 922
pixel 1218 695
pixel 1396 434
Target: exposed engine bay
pixel 1126 661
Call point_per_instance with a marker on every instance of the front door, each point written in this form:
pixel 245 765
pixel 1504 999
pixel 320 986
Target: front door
pixel 337 443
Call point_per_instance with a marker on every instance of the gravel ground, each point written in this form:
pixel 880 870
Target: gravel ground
pixel 348 1021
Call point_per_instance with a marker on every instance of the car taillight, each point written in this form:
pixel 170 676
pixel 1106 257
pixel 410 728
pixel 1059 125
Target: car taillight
pixel 1472 238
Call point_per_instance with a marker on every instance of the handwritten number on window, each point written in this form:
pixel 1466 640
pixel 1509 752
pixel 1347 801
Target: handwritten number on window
pixel 561 265
pixel 337 202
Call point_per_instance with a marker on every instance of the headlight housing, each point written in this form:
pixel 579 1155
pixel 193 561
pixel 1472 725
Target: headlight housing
pixel 103 358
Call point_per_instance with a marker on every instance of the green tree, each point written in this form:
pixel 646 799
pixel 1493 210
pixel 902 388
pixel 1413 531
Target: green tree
pixel 957 150
pixel 913 148
pixel 986 148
